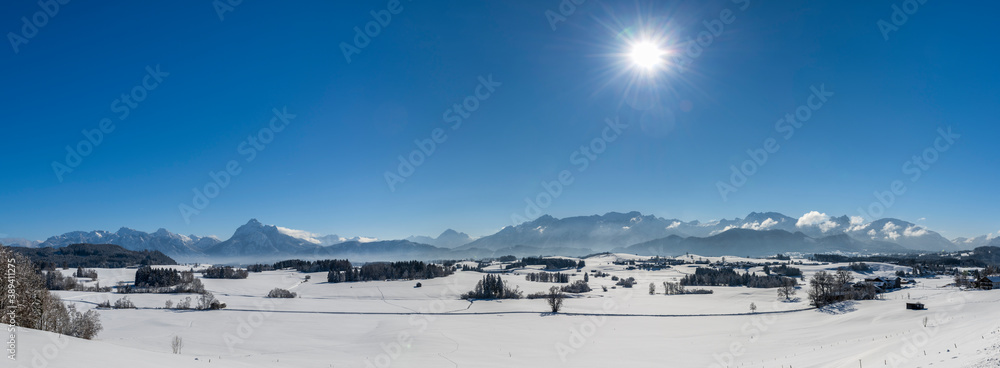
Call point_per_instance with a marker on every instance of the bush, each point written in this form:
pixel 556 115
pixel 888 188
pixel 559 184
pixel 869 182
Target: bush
pixel 280 293
pixel 579 286
pixel 207 301
pixel 124 303
pixel 84 325
pixel 627 282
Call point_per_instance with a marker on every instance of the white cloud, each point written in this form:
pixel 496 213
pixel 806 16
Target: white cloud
pixel 889 230
pixel 763 225
pixel 922 219
pixel 674 225
pixel 889 227
pixel 300 234
pixel 872 233
pixel 914 231
pixel 815 218
pixel 725 229
pixel 857 223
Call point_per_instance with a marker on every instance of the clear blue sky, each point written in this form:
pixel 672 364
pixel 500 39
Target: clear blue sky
pixel 325 171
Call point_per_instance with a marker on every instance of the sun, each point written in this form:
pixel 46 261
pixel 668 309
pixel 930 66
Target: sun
pixel 646 55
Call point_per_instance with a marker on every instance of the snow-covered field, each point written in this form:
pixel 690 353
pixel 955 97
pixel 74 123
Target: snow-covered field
pixel 393 324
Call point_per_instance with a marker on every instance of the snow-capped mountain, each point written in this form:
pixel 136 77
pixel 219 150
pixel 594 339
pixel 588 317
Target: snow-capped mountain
pixel 904 233
pixel 738 241
pixel 448 239
pixel 617 230
pixel 979 241
pixel 757 233
pixel 602 232
pixel 257 239
pixel 162 240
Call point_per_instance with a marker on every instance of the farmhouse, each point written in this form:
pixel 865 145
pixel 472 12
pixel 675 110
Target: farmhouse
pixel 988 283
pixel 885 283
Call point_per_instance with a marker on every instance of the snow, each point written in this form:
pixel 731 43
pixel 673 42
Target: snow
pixel 376 324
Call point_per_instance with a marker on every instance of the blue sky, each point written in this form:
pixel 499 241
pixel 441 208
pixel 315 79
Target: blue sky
pixel 324 171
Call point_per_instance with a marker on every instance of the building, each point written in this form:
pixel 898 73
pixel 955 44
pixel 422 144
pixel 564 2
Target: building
pixel 885 283
pixel 988 283
pixel 915 306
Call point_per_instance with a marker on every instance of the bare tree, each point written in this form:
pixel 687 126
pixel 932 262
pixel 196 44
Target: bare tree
pixel 753 308
pixel 652 288
pixel 555 298
pixel 786 291
pixel 177 344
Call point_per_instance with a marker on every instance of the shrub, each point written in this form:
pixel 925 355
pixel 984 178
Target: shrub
pixel 627 283
pixel 207 301
pixel 176 344
pixel 124 303
pixel 184 304
pixel 280 293
pixel 579 286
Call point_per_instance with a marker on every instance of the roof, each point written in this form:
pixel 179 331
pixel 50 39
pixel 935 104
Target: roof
pixel 995 279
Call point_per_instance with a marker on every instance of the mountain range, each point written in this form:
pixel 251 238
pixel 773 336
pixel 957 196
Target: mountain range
pixel 759 233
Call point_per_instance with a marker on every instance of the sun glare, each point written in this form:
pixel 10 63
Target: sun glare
pixel 646 55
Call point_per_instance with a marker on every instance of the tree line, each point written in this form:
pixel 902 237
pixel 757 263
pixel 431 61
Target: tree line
pixel 54 280
pixel 224 273
pixel 557 277
pixel 783 270
pixel 378 271
pixel 728 277
pixel 91 255
pixel 551 263
pixel 162 280
pixel 324 265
